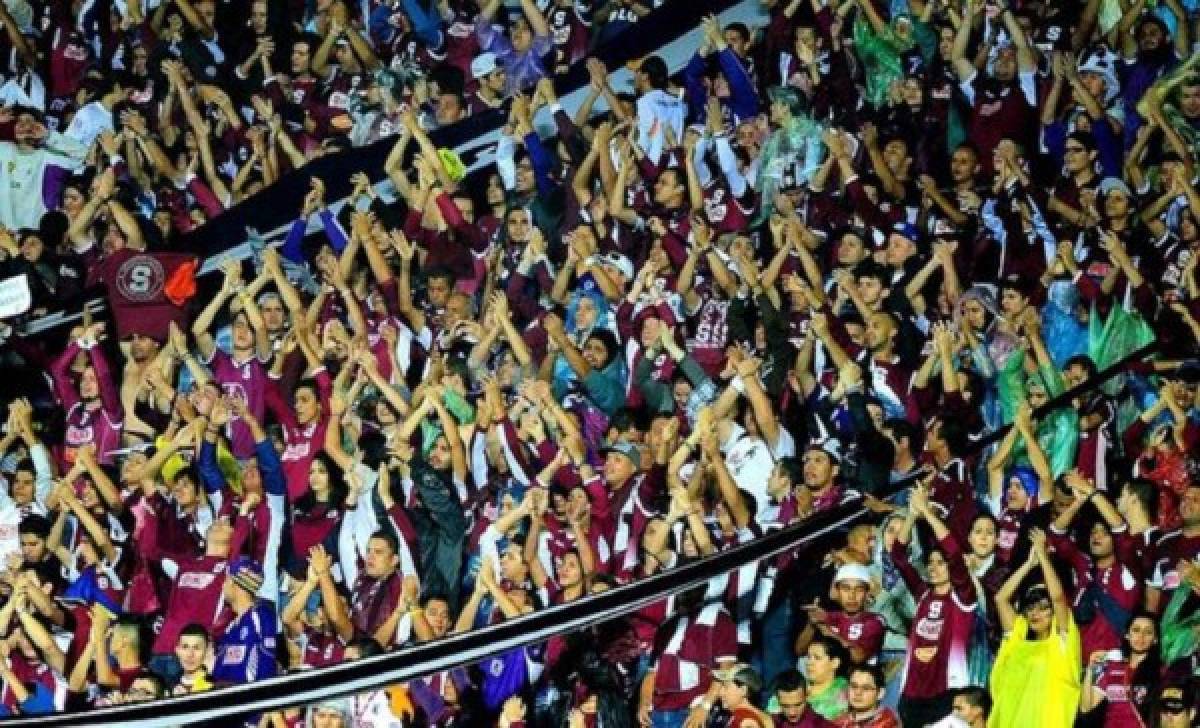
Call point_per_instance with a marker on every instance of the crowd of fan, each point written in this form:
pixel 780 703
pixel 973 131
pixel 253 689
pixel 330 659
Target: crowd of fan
pixel 832 254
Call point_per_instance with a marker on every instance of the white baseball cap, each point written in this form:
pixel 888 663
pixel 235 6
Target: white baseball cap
pixel 483 64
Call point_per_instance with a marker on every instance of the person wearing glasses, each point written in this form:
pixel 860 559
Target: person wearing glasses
pixel 866 690
pixel 1036 677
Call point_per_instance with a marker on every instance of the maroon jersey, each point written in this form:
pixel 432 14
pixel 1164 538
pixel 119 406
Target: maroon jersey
pixel 87 425
pixel 941 627
pixel 246 381
pixel 864 630
pixel 569 29
pixel 321 649
pixel 140 290
pixel 1122 696
pixel 195 597
pixel 373 601
pixel 999 111
pixel 695 645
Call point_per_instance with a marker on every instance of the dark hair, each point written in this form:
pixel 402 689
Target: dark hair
pixel 655 69
pixel 835 651
pixel 903 429
pixel 159 685
pixel 1083 361
pixel 870 269
pixel 36 525
pixel 872 670
pixel 337 485
pixel 192 472
pixel 792 468
pixel 790 680
pixel 436 596
pixel 740 29
pixel 1147 494
pixel 954 432
pixel 195 630
pixel 606 337
pixel 389 538
pixel 440 272
pixel 978 697
pixel 1085 139
pixel 367 646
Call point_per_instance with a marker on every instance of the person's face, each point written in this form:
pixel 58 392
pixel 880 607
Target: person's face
pixel 328 718
pixel 735 41
pixel 1170 718
pixel 618 468
pixel 439 454
pixel 1150 37
pixel 448 109
pixel 519 226
pixel 183 490
pixel 1012 302
pixel 895 155
pixel 585 313
pixel 595 352
pixel 190 650
pixel 1116 205
pixel 863 693
pixel 898 250
pixel 1189 506
pixel 880 330
pixel 975 314
pixel 1094 83
pixel 274 316
pixel 871 289
pixel 307 405
pixel 437 614
pixel 32 248
pixel 496 80
pixel 1037 396
pixel 818 469
pixel 89 386
pixel 1015 496
pixel 939 571
pixel 33 548
pixel 1184 393
pixel 912 92
pixel 219 538
pixel 1100 542
pixel 89 496
pixel 1006 64
pixel 318 477
pixel 1142 635
pixel 1039 616
pixel 258 17
pixel 495 190
pixel 681 392
pixel 667 189
pixel 380 560
pixel 1075 375
pixel 141 691
pixel 747 137
pixel 25 129
pixel 1189 101
pixel 821 668
pixel 23 486
pixel 730 694
pixel 982 538
pixel 243 334
pixel 301 58
pixel 963 164
pixel 521 35
pixel 73 201
pixel 207 10
pixel 806 36
pixel 851 250
pixel 568 570
pixel 791 703
pixel 651 327
pixel 970 714
pixel 851 594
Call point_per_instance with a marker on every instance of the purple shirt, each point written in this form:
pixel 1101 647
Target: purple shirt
pixel 247 381
pixel 523 70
